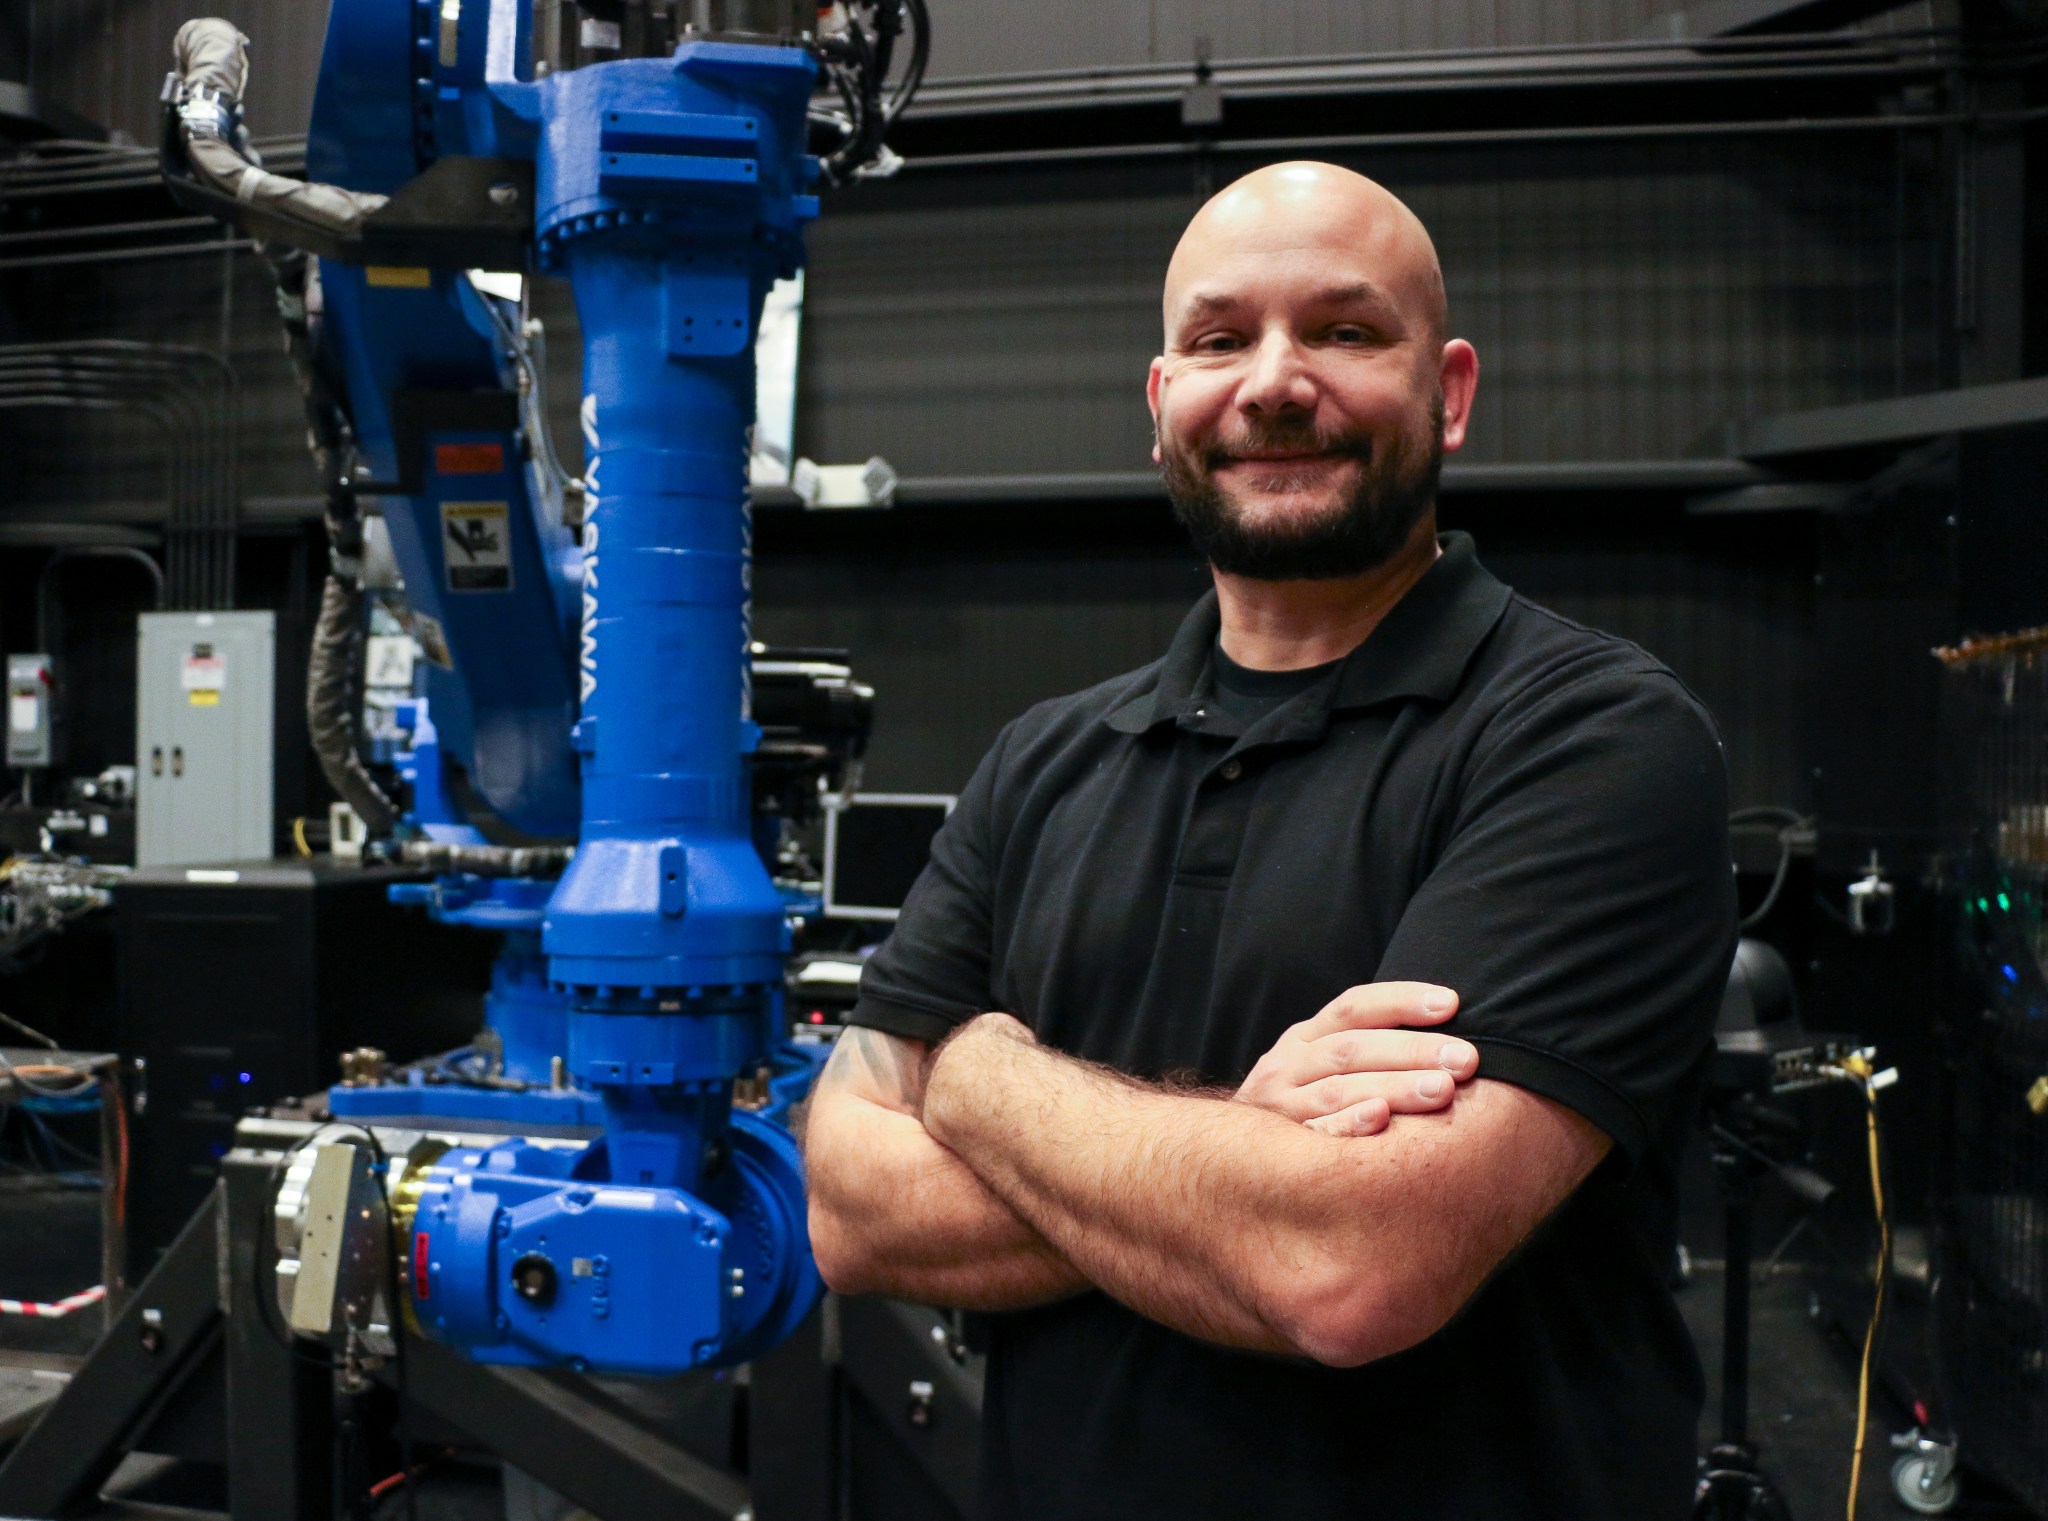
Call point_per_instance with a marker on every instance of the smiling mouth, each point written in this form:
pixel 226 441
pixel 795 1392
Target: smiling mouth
pixel 1308 457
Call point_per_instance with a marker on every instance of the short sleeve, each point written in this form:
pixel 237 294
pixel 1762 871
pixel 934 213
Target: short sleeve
pixel 932 973
pixel 1583 905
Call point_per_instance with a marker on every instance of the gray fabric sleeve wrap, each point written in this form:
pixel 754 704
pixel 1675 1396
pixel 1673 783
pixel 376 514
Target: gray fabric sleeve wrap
pixel 213 60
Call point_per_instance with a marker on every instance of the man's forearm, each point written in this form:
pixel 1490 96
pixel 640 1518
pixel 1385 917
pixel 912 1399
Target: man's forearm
pixel 910 1219
pixel 893 1212
pixel 1156 1197
pixel 1230 1223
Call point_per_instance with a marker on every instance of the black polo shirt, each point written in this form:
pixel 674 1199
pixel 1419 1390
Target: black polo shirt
pixel 1483 795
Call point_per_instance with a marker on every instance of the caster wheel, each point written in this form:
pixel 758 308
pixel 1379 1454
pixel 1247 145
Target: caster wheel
pixel 1918 1488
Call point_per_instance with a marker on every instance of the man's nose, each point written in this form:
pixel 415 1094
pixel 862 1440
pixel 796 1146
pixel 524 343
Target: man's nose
pixel 1279 378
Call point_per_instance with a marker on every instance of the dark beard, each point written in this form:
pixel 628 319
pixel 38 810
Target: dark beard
pixel 1395 488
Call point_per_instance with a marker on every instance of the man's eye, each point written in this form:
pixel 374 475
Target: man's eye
pixel 1218 343
pixel 1349 334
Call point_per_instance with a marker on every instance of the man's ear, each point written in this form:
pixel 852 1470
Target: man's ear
pixel 1155 380
pixel 1458 375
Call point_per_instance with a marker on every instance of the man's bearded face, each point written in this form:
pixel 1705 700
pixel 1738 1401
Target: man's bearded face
pixel 1350 502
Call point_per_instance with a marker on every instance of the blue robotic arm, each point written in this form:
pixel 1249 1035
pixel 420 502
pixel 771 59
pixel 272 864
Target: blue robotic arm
pixel 599 690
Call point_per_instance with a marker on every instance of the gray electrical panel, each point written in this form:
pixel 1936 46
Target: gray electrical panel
pixel 205 705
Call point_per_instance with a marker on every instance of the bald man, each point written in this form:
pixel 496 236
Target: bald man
pixel 1293 1041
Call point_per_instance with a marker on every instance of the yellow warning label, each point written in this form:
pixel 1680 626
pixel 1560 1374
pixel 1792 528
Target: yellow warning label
pixel 479 547
pixel 203 698
pixel 399 276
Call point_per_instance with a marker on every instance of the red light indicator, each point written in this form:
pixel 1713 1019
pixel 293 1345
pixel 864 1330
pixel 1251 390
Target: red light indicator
pixel 421 1282
pixel 817 1016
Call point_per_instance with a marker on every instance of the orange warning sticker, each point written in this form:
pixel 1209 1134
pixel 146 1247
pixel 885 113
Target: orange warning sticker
pixel 469 459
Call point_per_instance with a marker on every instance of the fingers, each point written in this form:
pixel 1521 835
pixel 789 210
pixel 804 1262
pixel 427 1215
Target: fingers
pixel 1411 1051
pixel 1368 1118
pixel 1401 1092
pixel 1381 1006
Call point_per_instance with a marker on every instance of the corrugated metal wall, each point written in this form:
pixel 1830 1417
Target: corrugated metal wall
pixel 14 42
pixel 1627 299
pixel 957 638
pixel 109 466
pixel 962 622
pixel 975 37
pixel 106 59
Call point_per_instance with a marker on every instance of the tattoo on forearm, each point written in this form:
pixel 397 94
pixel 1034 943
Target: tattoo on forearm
pixel 885 1068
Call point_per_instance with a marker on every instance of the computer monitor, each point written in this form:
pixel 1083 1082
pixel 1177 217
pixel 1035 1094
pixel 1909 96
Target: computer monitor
pixel 875 846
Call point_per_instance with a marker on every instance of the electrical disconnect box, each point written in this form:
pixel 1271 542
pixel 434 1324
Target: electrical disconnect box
pixel 28 712
pixel 205 705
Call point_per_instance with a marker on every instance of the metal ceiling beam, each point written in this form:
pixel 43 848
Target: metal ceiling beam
pixel 1779 496
pixel 1645 475
pixel 1660 59
pixel 1899 420
pixel 61 535
pixel 25 114
pixel 1751 18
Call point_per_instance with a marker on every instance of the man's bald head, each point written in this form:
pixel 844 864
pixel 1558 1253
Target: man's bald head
pixel 1307 391
pixel 1299 208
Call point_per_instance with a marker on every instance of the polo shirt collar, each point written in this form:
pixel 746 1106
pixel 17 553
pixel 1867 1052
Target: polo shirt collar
pixel 1420 649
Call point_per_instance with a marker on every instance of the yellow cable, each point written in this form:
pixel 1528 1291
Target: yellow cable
pixel 1884 1257
pixel 299 836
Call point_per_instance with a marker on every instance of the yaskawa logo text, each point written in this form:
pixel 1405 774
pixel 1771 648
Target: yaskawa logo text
pixel 587 660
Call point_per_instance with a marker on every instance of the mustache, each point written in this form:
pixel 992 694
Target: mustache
pixel 1289 437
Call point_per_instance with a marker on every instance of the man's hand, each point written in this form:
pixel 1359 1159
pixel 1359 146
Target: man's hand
pixel 1349 1070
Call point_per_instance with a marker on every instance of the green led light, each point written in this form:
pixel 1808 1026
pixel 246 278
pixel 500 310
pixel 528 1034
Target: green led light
pixel 1983 905
pixel 2005 903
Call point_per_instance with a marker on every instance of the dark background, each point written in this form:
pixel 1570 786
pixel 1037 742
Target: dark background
pixel 1655 237
pixel 1651 245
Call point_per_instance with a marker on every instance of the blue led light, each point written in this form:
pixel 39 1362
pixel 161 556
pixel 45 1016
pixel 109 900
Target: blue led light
pixel 245 1078
pixel 2010 974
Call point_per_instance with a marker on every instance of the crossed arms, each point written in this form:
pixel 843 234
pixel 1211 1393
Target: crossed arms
pixel 1332 1208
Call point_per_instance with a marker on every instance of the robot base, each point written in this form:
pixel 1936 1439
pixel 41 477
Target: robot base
pixel 518 1250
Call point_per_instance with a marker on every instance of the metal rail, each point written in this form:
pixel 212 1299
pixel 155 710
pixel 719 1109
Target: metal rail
pixel 101 230
pixel 1483 137
pixel 128 255
pixel 1480 137
pixel 1459 478
pixel 1636 61
pixel 71 168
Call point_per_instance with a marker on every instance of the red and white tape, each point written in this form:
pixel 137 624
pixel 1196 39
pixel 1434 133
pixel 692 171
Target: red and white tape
pixel 55 1309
